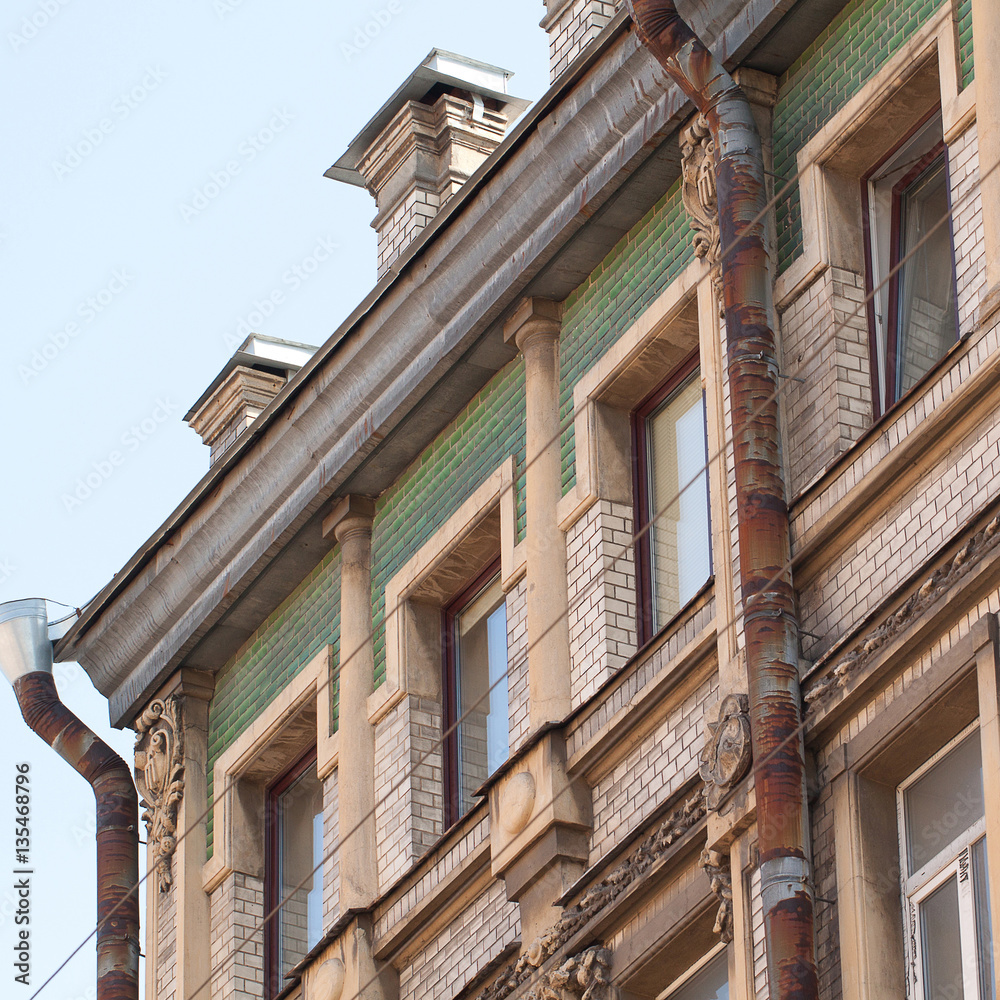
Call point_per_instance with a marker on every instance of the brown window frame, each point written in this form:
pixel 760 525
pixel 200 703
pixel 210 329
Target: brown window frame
pixel 640 481
pixel 449 688
pixel 272 867
pixel 884 395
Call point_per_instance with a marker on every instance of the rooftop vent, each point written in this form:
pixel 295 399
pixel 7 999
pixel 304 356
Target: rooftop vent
pixel 252 377
pixel 425 142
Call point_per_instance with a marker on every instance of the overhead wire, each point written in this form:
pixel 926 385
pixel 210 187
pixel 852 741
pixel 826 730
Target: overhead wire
pixel 626 548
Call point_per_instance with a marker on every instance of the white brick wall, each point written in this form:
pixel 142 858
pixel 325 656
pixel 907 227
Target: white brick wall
pixel 757 937
pixel 967 227
pixel 166 941
pixel 476 937
pixel 331 855
pixel 602 596
pixel 517 660
pixel 237 908
pixel 651 773
pixel 573 28
pixel 408 218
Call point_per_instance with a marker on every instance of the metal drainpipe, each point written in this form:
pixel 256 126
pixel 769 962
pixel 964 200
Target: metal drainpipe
pixel 770 622
pixel 26 660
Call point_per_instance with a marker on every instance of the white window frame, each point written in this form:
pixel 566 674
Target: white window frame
pixel 954 859
pixel 693 971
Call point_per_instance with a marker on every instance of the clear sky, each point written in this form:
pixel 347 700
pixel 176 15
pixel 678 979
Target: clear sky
pixel 162 175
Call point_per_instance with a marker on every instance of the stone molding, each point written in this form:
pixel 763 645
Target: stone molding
pixel 677 823
pixel 159 776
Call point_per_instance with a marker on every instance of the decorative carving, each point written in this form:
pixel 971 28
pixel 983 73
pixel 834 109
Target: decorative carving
pixel 159 775
pixel 727 753
pixel 700 197
pixel 720 873
pixel 698 190
pixel 847 668
pixel 605 892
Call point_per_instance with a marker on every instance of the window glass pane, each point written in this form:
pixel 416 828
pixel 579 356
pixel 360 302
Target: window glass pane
pixel 927 321
pixel 709 983
pixel 300 850
pixel 680 548
pixel 942 945
pixel 984 933
pixel 481 666
pixel 943 802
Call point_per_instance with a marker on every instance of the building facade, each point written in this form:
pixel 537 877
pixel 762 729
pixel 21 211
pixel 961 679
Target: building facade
pixel 440 677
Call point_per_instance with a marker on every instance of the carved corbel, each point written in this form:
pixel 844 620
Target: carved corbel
pixel 586 975
pixel 700 196
pixel 159 775
pixel 718 869
pixel 727 753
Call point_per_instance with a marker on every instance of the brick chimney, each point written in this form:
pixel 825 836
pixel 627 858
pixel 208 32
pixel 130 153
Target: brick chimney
pixel 571 26
pixel 425 143
pixel 253 376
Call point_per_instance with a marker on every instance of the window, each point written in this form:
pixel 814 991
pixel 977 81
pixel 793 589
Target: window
pixel 911 263
pixel 943 861
pixel 476 693
pixel 708 980
pixel 294 848
pixel 671 449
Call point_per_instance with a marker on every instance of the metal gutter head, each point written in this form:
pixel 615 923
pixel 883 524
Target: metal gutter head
pixel 24 639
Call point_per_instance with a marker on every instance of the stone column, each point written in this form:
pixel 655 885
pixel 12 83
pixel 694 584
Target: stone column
pixel 535 328
pixel 171 764
pixel 351 522
pixel 986 43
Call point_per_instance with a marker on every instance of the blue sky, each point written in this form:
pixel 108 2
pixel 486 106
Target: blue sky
pixel 162 180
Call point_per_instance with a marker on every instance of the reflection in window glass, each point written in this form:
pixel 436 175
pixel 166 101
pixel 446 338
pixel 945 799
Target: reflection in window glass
pixel 984 935
pixel 944 802
pixel 679 539
pixel 709 983
pixel 942 944
pixel 483 734
pixel 298 818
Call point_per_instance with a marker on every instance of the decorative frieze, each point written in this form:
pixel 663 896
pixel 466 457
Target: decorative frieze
pixel 159 776
pixel 853 663
pixel 589 966
pixel 717 867
pixel 727 753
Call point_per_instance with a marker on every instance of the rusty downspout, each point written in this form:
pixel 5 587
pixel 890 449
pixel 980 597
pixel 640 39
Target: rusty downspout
pixel 770 622
pixel 27 661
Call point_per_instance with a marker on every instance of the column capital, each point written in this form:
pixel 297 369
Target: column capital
pixel 532 317
pixel 349 515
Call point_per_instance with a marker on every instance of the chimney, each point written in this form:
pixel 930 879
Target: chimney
pixel 571 26
pixel 253 376
pixel 425 143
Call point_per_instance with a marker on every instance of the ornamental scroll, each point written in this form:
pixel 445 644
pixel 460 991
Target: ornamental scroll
pixel 700 196
pixel 159 776
pixel 727 753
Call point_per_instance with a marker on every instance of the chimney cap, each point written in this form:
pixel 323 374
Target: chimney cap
pixel 439 67
pixel 257 350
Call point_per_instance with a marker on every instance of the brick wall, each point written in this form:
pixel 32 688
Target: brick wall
pixel 456 955
pixel 573 27
pixel 760 990
pixel 602 596
pixel 331 855
pixel 651 773
pixel 396 232
pixel 824 336
pixel 302 625
pixel 967 227
pixel 166 942
pixel 823 79
pixel 517 662
pixel 237 908
pixel 637 269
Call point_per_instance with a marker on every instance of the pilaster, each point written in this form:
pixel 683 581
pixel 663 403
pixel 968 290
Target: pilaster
pixel 986 43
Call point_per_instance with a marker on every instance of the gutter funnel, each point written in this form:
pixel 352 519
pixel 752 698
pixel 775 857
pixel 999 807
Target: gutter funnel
pixel 26 661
